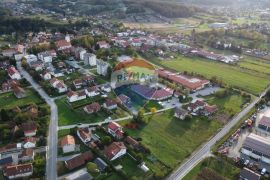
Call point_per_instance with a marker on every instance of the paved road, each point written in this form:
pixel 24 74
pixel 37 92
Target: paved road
pixel 205 149
pixel 51 172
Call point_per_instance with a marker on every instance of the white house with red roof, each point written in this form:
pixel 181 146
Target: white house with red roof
pixel 84 134
pixel 29 128
pixel 110 104
pixel 103 45
pixel 92 91
pixel 13 73
pixel 115 150
pixel 59 85
pixel 76 96
pixel 18 171
pixel 63 45
pixel 115 130
pixel 196 106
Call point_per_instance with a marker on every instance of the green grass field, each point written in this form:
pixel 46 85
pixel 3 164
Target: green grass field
pixel 230 104
pixel 256 65
pixel 250 81
pixel 220 166
pixel 8 100
pixel 172 140
pixel 68 116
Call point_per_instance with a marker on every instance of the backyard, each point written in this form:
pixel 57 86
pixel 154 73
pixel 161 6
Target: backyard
pixel 235 76
pixel 172 140
pixel 8 100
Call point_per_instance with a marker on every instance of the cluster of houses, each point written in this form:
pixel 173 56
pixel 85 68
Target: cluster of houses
pixel 111 152
pixel 20 166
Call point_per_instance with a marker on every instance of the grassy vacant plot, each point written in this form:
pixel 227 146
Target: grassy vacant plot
pixel 68 116
pixel 172 140
pixel 8 100
pixel 219 166
pixel 247 80
pixel 230 104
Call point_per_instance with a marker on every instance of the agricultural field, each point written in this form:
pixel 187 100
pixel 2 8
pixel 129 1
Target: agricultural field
pixel 234 76
pixel 8 100
pixel 164 133
pixel 255 64
pixel 218 165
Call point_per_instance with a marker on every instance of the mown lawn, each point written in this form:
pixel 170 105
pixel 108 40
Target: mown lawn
pixel 8 100
pixel 253 82
pixel 172 140
pixel 221 167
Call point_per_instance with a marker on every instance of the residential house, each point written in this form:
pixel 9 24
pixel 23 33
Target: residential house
pixel 37 65
pixel 30 142
pixel 115 130
pixel 57 73
pixel 88 79
pixel 45 56
pixel 125 100
pixel 92 91
pixel 75 96
pixel 110 104
pixel 30 58
pixel 106 88
pixel 115 150
pixel 67 143
pixel 79 160
pixel 29 128
pixel 19 92
pixel 27 155
pixel 84 134
pixel 13 73
pixel 11 147
pixel 196 106
pixel 59 85
pixel 180 113
pixel 209 110
pixel 102 67
pixel 90 59
pixel 103 45
pixel 46 75
pixel 78 83
pixel 133 143
pixel 62 45
pixel 92 108
pixel 79 175
pixel 18 171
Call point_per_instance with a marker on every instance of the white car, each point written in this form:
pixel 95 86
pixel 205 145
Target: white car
pixel 263 171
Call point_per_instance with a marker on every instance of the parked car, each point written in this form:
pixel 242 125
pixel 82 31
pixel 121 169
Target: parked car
pixel 263 171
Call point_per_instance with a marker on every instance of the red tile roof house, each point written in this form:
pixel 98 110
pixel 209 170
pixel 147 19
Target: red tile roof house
pixel 27 155
pixel 77 83
pixel 92 91
pixel 115 150
pixel 13 73
pixel 103 45
pixel 79 160
pixel 209 110
pixel 29 129
pixel 62 45
pixel 92 108
pixel 18 171
pixel 84 134
pixel 196 106
pixel 75 96
pixel 59 85
pixel 67 143
pixel 110 104
pixel 115 130
pixel 132 142
pixel 191 83
pixel 19 92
